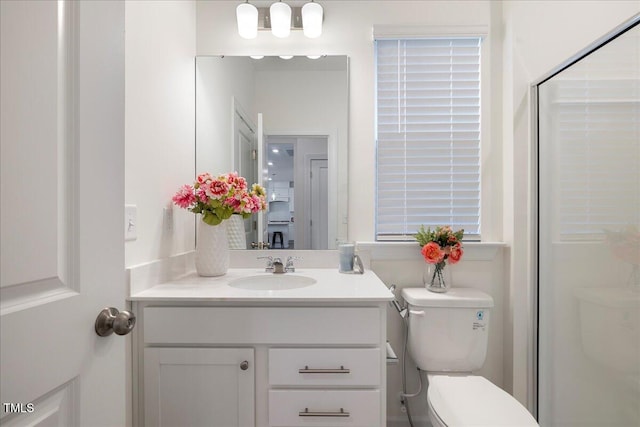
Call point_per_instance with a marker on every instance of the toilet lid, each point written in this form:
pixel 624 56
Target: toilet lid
pixel 474 401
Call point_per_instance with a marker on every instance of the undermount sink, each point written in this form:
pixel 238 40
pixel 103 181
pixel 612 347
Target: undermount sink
pixel 272 282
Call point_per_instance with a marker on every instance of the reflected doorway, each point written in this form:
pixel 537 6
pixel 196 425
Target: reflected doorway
pixel 297 191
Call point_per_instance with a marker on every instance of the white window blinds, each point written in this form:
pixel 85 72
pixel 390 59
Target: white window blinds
pixel 595 134
pixel 428 136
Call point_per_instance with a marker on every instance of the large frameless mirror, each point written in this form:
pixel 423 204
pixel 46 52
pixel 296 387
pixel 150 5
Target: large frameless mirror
pixel 282 123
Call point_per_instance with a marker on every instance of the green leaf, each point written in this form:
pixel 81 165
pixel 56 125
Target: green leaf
pixel 210 218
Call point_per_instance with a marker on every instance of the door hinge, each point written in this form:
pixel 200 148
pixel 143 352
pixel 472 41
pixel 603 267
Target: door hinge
pixel 254 154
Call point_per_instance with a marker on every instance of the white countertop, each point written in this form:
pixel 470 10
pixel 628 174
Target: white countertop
pixel 331 286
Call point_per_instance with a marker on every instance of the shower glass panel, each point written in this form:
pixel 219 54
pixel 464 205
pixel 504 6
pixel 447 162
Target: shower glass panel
pixel 588 361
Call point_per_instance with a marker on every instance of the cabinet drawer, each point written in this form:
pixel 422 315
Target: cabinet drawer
pixel 262 325
pixel 353 408
pixel 324 367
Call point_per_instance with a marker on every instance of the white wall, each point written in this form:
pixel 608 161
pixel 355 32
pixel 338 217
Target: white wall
pixel 539 35
pixel 218 81
pixel 160 45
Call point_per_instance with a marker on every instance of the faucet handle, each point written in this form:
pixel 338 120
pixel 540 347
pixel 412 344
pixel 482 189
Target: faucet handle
pixel 289 266
pixel 269 259
pixel 290 259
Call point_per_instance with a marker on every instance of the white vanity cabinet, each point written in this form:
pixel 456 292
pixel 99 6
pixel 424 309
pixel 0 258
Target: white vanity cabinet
pixel 321 364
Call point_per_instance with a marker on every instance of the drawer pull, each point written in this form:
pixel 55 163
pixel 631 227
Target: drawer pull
pixel 308 413
pixel 308 370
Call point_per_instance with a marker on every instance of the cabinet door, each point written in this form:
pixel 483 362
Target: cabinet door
pixel 199 387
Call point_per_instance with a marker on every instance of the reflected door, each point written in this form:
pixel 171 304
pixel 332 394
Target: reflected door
pixel 246 163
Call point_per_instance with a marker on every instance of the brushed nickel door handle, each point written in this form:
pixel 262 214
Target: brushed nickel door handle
pixel 111 320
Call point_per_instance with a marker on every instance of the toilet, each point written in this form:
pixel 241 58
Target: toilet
pixel 448 339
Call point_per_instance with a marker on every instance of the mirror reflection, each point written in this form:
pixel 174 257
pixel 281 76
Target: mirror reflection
pixel 283 124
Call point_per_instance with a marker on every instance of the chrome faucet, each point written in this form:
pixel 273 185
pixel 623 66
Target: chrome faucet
pixel 276 266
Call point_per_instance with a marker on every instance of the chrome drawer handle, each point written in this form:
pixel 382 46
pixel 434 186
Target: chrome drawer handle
pixel 308 413
pixel 307 370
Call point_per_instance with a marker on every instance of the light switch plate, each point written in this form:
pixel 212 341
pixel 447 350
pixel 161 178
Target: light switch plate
pixel 130 222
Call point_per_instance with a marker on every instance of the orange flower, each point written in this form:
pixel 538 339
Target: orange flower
pixel 432 253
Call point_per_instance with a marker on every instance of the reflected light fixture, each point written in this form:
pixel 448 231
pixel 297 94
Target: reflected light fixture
pixel 312 20
pixel 247 16
pixel 280 19
pixel 286 56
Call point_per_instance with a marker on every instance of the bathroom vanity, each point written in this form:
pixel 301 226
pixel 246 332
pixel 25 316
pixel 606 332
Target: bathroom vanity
pixel 303 348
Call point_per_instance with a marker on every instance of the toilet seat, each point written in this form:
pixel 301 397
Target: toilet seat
pixel 471 400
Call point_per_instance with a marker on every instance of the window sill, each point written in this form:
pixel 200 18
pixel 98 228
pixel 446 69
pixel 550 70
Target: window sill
pixel 473 251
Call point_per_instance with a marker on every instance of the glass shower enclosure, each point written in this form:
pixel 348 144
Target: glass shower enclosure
pixel 588 246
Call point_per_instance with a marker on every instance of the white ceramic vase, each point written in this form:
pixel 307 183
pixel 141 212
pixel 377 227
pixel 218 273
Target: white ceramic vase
pixel 212 249
pixel 236 233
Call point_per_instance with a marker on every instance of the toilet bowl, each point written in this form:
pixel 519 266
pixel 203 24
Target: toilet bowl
pixel 448 335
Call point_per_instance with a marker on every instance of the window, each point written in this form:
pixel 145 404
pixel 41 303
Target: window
pixel 428 135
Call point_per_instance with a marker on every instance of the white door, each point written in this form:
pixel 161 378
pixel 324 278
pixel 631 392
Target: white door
pixel 319 201
pixel 246 164
pixel 62 177
pixel 263 235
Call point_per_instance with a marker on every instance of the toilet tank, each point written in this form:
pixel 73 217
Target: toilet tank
pixel 448 332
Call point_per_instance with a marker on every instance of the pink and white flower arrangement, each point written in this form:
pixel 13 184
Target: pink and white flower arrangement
pixel 217 198
pixel 439 247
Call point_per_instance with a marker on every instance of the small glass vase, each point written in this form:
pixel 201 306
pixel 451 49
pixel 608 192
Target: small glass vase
pixel 437 277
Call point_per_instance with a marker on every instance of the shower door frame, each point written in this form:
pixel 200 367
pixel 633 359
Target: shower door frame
pixel 535 181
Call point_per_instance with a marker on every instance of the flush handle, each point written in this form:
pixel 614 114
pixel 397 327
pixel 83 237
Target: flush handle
pixel 111 320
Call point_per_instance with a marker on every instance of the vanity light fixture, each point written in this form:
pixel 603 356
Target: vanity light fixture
pixel 312 20
pixel 280 18
pixel 247 17
pixel 257 56
pixel 314 56
pixel 286 56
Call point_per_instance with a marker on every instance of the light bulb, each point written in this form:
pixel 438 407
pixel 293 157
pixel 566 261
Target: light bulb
pixel 312 20
pixel 247 16
pixel 280 19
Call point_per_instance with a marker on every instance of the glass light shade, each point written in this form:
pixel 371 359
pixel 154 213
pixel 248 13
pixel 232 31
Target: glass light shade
pixel 312 20
pixel 280 19
pixel 247 16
